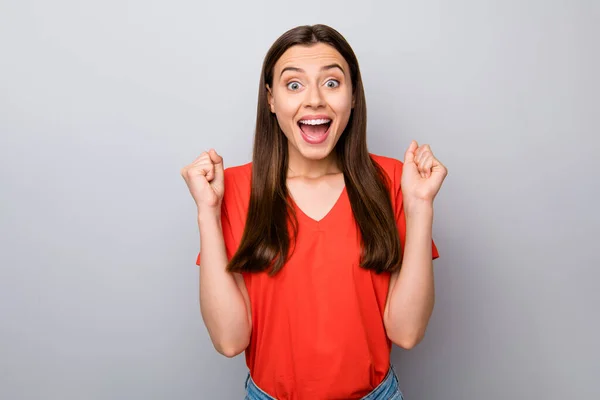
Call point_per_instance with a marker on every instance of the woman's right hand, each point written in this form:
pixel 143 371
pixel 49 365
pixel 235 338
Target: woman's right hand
pixel 205 180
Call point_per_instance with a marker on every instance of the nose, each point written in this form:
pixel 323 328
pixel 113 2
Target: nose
pixel 314 98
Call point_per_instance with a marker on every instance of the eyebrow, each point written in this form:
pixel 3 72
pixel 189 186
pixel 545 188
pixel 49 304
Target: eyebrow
pixel 325 68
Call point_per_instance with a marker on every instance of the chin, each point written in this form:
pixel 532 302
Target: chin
pixel 314 152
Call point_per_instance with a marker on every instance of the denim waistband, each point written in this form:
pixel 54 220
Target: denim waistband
pixel 388 389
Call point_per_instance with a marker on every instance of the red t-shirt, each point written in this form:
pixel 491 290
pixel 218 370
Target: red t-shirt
pixel 317 325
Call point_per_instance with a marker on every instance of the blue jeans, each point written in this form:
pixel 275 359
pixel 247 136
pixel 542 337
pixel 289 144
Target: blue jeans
pixel 388 389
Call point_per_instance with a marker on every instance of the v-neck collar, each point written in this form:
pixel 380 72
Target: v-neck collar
pixel 328 216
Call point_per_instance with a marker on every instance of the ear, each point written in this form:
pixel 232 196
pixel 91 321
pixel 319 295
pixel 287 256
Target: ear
pixel 270 99
pixel 353 101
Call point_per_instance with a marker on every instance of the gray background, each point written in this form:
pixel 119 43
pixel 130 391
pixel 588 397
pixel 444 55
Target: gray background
pixel 102 103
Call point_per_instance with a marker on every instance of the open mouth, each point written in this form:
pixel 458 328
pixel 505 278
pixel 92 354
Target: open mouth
pixel 314 131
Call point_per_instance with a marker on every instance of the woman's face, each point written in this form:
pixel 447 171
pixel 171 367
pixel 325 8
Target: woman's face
pixel 312 98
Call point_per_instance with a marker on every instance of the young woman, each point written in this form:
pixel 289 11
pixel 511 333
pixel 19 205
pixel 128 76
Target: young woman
pixel 317 255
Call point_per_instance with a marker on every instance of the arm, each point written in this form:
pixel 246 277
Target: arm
pixel 224 302
pixel 411 294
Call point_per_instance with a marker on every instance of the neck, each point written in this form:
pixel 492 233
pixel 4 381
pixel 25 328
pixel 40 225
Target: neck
pixel 300 166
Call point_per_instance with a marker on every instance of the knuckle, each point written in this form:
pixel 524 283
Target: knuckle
pixel 190 172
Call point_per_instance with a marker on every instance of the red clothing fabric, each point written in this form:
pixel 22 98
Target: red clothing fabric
pixel 317 325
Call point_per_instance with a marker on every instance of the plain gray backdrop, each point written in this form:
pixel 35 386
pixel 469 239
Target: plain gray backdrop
pixel 102 103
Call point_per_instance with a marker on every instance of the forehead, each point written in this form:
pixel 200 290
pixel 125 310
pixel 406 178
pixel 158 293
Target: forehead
pixel 310 57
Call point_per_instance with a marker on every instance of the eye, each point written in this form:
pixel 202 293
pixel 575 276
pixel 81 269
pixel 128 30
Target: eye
pixel 332 83
pixel 294 85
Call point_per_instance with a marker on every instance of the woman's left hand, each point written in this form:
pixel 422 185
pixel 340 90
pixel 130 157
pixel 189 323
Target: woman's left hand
pixel 422 174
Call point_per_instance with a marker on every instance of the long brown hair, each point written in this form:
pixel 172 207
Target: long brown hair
pixel 266 241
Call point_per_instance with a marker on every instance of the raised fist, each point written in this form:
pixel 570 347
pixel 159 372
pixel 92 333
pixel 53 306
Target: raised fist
pixel 204 178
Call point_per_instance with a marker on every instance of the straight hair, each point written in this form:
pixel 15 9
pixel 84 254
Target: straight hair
pixel 267 238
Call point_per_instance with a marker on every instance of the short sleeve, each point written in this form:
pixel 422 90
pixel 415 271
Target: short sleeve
pixel 230 221
pixel 399 209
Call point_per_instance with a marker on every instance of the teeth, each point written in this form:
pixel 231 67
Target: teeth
pixel 315 121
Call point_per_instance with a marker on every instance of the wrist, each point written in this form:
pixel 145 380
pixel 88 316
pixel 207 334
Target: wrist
pixel 209 217
pixel 418 208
